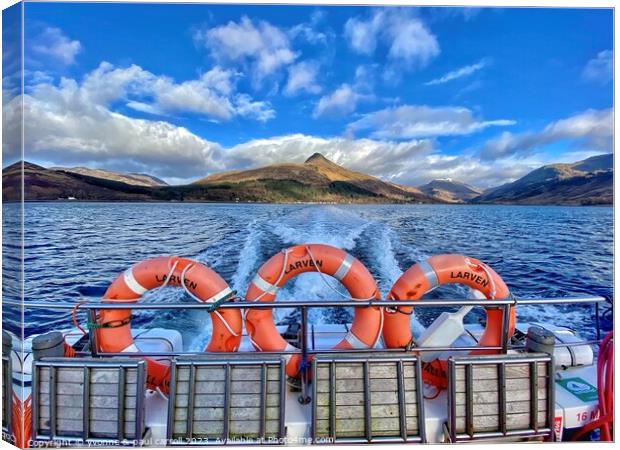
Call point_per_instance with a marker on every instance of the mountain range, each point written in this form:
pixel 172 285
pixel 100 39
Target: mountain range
pixel 587 182
pixel 450 191
pixel 316 180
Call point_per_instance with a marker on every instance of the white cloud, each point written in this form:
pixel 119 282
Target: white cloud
pixel 601 68
pixel 75 122
pixel 213 95
pixel 591 129
pixel 266 48
pixel 415 121
pixel 63 126
pixel 302 78
pixel 405 37
pixel 458 73
pixel 378 158
pixel 413 162
pixel 51 43
pixel 340 102
pixel 258 110
pixel 345 98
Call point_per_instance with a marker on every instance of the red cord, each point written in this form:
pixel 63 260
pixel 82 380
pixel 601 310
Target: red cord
pixel 74 316
pixel 604 379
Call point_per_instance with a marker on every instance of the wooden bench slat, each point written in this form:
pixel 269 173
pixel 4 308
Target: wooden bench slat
pixel 236 387
pixel 492 396
pixel 513 384
pixel 489 371
pixel 239 373
pixel 217 400
pixel 491 408
pixel 357 412
pixel 491 423
pixel 214 429
pixel 355 370
pixel 69 427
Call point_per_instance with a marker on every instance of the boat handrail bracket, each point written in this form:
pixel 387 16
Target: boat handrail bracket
pixel 72 399
pixel 219 401
pixel 367 398
pixel 507 397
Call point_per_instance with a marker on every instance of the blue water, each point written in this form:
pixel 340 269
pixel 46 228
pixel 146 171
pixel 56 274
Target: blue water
pixel 74 250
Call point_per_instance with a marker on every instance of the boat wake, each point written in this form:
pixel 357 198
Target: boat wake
pixel 370 241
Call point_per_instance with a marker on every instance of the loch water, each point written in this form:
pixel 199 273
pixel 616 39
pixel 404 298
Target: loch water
pixel 73 251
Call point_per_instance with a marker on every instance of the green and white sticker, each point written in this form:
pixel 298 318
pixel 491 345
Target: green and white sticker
pixel 580 388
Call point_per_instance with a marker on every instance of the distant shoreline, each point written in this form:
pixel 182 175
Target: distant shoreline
pixel 308 203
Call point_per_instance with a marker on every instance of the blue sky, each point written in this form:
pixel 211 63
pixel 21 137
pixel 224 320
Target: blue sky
pixel 407 94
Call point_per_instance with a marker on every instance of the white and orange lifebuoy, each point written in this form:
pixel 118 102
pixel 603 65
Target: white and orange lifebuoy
pixel 328 260
pixel 113 325
pixel 436 271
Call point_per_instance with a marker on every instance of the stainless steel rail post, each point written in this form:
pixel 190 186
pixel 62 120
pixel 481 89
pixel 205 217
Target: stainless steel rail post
pixel 304 398
pixel 92 334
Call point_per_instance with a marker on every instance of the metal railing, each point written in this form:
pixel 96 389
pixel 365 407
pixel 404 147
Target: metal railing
pixel 404 435
pixel 188 438
pixel 533 430
pixel 303 305
pixel 54 365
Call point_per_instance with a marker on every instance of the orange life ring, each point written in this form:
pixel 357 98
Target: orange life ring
pixel 113 329
pixel 366 327
pixel 436 271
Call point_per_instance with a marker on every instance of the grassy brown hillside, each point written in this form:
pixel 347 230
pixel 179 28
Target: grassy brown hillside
pixel 45 184
pixel 450 191
pixel 587 182
pixel 137 179
pixel 317 179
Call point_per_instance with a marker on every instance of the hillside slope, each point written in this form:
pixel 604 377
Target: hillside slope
pixel 587 182
pixel 136 179
pixel 45 184
pixel 450 191
pixel 317 179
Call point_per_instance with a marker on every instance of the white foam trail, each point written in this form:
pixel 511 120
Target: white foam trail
pixel 328 225
pixel 387 269
pixel 248 258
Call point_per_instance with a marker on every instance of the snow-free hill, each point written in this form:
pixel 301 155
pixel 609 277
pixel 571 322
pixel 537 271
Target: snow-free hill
pixel 587 182
pixel 450 191
pixel 317 179
pixel 136 179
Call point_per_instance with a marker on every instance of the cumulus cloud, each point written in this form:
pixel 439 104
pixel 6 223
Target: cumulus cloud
pixel 415 121
pixel 601 68
pixel 63 127
pixel 404 37
pixel 69 129
pixel 261 45
pixel 341 102
pixel 213 95
pixel 302 78
pixel 378 158
pixel 591 129
pixel 413 162
pixel 345 98
pixel 53 45
pixel 310 32
pixel 458 73
pixel 75 122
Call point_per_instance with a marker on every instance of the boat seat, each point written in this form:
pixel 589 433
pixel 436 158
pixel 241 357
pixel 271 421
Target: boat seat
pixel 500 397
pixel 75 400
pixel 7 393
pixel 367 398
pixel 227 398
